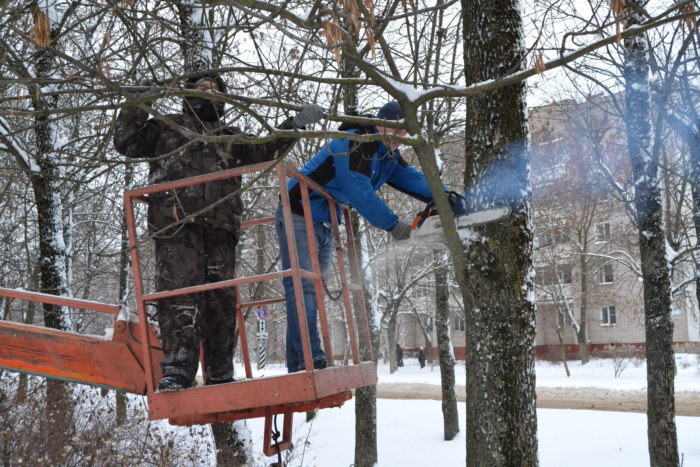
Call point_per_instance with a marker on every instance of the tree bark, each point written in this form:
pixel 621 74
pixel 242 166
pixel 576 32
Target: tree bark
pixel 694 149
pixel 500 315
pixel 562 349
pixel 124 266
pixel 450 414
pixel 52 250
pixel 661 431
pixel 366 452
pixel 583 310
pixel 230 448
pixel 391 338
pixel 195 44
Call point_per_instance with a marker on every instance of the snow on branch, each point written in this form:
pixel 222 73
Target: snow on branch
pixel 439 91
pixel 20 154
pixel 622 257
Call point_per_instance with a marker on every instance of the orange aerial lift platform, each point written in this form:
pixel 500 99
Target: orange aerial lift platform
pixel 129 359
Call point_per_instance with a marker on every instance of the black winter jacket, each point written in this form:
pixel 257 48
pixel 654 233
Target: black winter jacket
pixel 176 157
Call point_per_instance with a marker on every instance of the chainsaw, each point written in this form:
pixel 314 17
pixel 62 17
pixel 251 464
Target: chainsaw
pixel 426 229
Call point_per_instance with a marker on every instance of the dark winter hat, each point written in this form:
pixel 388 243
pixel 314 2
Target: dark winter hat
pixel 391 111
pixel 194 81
pixel 205 108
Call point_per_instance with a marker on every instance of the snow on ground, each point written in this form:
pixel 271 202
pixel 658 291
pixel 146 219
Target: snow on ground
pixel 410 432
pixel 597 373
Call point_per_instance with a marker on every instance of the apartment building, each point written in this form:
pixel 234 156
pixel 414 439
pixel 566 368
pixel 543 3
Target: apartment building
pixel 585 253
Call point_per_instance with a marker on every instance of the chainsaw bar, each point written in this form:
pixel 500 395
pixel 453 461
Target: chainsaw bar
pixel 430 231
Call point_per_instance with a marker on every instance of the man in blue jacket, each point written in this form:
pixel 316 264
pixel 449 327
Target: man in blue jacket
pixel 351 172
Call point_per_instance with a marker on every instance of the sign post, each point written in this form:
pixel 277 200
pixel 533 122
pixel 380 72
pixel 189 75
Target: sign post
pixel 261 337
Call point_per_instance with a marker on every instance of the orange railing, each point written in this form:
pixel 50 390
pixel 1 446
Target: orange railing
pixel 131 363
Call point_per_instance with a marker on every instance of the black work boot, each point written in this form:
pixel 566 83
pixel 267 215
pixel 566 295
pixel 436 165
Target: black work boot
pixel 173 383
pixel 320 364
pixel 213 381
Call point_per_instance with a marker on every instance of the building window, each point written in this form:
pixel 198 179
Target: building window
pixel 549 310
pixel 602 232
pixel 552 236
pixel 544 275
pixel 564 271
pixel 608 316
pixel 550 275
pixel 606 274
pixel 458 324
pixel 563 317
pixel 544 239
pixel 563 234
pixel 422 292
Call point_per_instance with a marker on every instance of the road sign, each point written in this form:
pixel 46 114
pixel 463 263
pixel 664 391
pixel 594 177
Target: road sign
pixel 262 313
pixel 261 335
pixel 262 358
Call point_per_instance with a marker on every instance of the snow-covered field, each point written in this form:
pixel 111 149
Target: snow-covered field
pixel 598 373
pixel 410 434
pixel 410 431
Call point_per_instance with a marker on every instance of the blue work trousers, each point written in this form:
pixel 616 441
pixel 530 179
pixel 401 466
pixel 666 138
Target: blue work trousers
pixel 324 246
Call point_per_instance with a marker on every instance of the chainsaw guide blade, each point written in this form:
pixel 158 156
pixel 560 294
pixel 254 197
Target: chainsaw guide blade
pixel 430 233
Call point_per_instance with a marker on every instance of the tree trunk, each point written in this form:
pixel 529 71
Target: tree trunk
pixel 583 316
pixel 47 196
pixel 428 339
pixel 5 269
pixel 391 339
pixel 694 149
pixel 500 316
pixel 124 266
pixel 427 331
pixel 446 355
pixel 663 443
pixel 365 397
pixel 52 255
pixel 366 452
pixel 28 318
pixel 195 44
pixel 562 349
pixel 230 446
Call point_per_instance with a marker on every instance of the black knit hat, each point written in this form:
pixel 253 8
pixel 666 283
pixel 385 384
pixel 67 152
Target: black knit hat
pixel 391 111
pixel 205 108
pixel 194 81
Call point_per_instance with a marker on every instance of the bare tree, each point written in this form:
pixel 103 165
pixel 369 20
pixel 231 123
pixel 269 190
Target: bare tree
pixel 446 354
pixel 501 417
pixel 663 443
pixel 366 397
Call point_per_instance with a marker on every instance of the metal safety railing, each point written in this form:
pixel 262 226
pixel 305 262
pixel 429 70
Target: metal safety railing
pixel 129 360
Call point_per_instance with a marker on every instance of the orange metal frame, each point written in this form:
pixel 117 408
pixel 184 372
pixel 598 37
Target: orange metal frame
pixel 130 359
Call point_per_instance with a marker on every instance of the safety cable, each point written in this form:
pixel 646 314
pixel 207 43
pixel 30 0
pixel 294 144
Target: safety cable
pixel 152 316
pixel 275 436
pixel 328 291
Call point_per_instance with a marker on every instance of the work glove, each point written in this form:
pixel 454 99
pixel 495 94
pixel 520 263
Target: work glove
pixel 401 231
pixel 150 94
pixel 310 114
pixel 458 203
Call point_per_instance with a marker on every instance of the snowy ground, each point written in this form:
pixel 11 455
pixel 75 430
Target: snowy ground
pixel 598 373
pixel 410 431
pixel 410 434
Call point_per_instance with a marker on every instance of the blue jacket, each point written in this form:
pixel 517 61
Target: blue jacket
pixel 352 172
